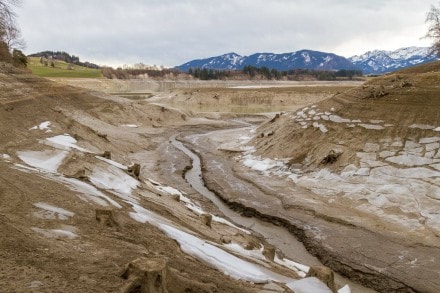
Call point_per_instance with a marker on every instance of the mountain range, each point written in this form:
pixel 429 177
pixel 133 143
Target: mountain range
pixel 372 62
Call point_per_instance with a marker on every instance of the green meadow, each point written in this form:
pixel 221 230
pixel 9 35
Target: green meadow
pixel 60 69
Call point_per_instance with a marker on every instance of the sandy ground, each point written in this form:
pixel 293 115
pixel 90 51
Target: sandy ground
pixel 56 186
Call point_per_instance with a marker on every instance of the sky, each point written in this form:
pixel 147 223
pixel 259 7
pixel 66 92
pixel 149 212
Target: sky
pixel 172 32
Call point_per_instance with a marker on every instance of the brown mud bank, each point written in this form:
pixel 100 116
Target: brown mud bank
pixel 364 256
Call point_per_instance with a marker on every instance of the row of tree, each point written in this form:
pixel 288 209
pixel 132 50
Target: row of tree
pixel 273 74
pixel 208 74
pixel 64 56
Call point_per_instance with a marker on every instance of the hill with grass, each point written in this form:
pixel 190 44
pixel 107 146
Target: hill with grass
pixel 58 68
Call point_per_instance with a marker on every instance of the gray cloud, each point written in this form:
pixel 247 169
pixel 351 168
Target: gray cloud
pixel 171 32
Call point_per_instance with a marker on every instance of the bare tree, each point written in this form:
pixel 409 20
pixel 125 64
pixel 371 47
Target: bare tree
pixel 433 19
pixel 9 33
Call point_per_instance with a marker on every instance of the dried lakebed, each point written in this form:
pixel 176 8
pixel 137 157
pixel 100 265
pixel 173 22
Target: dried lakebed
pixel 273 232
pixel 375 259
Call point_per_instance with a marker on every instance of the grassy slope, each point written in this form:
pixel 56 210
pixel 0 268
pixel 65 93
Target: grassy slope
pixel 61 70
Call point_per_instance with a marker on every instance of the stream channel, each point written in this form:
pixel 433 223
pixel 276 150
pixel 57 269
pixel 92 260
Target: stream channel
pixel 277 236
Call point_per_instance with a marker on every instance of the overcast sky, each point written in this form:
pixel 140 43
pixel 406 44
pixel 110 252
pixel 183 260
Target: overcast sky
pixel 171 32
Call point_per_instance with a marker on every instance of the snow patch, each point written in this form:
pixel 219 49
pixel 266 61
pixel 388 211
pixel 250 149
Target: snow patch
pixel 52 212
pixel 111 162
pixel 338 119
pixel 209 253
pixel 409 160
pixel 321 127
pixel 49 160
pixel 43 126
pixel 308 285
pixel 371 126
pixel 6 157
pixel 427 140
pixel 55 233
pixel 259 164
pixel 114 179
pixel 422 126
pixel 65 142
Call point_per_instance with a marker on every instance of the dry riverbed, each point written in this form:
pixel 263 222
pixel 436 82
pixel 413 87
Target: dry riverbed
pixel 75 197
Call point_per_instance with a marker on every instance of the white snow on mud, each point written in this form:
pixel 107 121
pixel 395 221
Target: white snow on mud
pixel 392 173
pixel 48 211
pixel 42 126
pixel 48 160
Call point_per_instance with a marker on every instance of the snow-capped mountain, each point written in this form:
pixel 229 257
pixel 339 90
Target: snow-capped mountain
pixel 372 62
pixel 379 62
pixel 304 59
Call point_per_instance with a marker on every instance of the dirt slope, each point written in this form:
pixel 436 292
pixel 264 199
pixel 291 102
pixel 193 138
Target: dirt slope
pixel 53 238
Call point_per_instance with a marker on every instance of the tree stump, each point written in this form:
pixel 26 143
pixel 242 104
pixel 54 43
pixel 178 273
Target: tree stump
pixel 106 217
pixel 206 219
pixel 269 252
pixel 135 170
pixel 107 155
pixel 146 275
pixel 324 274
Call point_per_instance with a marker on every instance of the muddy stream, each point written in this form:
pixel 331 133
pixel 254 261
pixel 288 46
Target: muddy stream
pixel 277 236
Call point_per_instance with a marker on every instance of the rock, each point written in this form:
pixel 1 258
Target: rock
pixel 206 219
pixel 106 217
pixel 324 274
pixel 146 275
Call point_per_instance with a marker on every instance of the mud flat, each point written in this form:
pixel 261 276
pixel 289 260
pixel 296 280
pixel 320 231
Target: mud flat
pixel 385 263
pixel 273 229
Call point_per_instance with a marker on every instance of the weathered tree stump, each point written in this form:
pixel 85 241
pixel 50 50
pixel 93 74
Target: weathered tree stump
pixel 324 274
pixel 106 217
pixel 107 155
pixel 206 219
pixel 146 275
pixel 269 252
pixel 135 170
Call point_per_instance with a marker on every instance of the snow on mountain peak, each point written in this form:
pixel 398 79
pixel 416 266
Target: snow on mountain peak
pixel 382 61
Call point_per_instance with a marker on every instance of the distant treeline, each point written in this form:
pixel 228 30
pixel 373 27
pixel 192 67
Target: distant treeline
pixel 208 74
pixel 296 74
pixel 264 72
pixel 64 56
